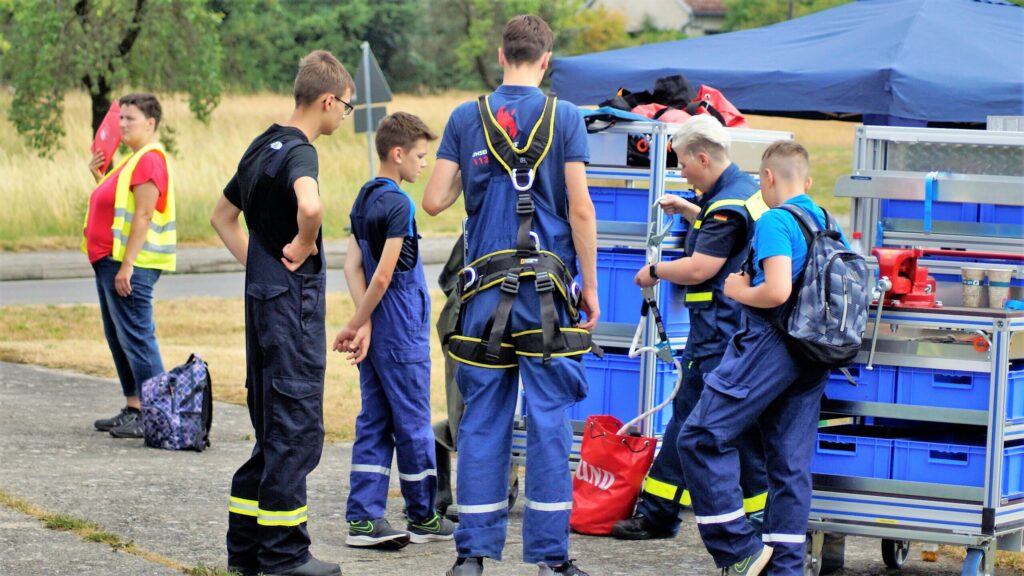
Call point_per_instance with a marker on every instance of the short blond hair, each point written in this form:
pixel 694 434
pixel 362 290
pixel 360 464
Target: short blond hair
pixel 788 159
pixel 702 133
pixel 321 73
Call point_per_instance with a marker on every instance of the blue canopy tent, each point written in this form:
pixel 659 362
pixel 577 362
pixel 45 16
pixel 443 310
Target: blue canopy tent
pixel 890 61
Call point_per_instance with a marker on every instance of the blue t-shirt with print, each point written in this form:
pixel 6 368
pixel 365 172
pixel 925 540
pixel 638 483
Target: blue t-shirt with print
pixel 778 233
pixel 517 109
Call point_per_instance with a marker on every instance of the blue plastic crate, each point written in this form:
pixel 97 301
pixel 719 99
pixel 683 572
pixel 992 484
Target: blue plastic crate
pixel 1015 393
pixel 614 383
pixel 956 464
pixel 630 205
pixel 914 210
pixel 620 298
pixel 946 388
pixel 992 214
pixel 877 385
pixel 852 456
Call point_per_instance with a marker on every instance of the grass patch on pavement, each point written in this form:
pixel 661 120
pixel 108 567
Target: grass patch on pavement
pixel 70 337
pixel 68 523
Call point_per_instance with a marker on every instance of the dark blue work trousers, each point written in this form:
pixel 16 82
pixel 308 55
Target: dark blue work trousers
pixel 286 355
pixel 757 382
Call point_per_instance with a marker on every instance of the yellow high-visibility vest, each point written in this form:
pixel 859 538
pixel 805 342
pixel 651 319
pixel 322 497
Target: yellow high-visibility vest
pixel 158 251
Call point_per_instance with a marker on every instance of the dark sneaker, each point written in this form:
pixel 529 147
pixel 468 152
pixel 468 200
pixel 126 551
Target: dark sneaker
pixel 466 567
pixel 375 534
pixel 108 424
pixel 751 566
pixel 130 428
pixel 313 567
pixel 242 571
pixel 568 569
pixel 639 528
pixel 433 530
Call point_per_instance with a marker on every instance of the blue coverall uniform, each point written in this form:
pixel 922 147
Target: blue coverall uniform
pixel 757 382
pixel 713 318
pixel 394 381
pixel 485 433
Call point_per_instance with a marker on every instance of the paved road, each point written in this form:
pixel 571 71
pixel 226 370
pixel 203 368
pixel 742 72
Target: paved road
pixel 170 286
pixel 173 503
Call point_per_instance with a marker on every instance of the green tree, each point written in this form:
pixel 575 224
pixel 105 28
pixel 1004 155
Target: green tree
pixel 102 46
pixel 743 14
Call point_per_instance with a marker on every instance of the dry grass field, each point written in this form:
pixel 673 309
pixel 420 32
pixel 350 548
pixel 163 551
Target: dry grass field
pixel 44 198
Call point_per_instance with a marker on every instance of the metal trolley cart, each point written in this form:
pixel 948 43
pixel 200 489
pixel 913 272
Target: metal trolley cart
pixel 625 199
pixel 958 194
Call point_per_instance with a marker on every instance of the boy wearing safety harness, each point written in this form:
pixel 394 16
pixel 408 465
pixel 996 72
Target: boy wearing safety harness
pixel 760 382
pixel 530 217
pixel 722 223
pixel 385 276
pixel 285 344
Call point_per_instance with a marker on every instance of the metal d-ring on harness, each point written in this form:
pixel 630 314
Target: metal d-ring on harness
pixel 508 268
pixel 649 311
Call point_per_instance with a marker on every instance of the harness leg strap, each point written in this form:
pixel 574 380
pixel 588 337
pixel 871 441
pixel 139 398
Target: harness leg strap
pixel 499 322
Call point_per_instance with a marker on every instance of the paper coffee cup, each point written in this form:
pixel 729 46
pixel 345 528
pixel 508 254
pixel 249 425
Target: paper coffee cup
pixel 972 281
pixel 998 287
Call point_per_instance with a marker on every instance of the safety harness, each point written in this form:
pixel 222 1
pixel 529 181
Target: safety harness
pixel 507 268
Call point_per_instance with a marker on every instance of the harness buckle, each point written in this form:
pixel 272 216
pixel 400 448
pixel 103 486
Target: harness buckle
pixel 515 174
pixel 524 204
pixel 543 282
pixel 510 285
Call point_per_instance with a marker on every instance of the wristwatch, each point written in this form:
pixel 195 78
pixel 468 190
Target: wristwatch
pixel 653 271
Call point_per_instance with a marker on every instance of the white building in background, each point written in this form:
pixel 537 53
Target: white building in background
pixel 695 17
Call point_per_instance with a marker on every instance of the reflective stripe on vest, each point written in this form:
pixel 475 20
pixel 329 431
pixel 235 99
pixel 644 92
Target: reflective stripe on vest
pixel 755 206
pixel 698 296
pixel 667 491
pixel 158 250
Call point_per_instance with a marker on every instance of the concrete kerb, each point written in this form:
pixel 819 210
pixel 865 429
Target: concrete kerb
pixel 56 264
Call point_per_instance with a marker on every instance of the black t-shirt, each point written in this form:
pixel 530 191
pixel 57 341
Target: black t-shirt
pixel 390 215
pixel 722 234
pixel 269 204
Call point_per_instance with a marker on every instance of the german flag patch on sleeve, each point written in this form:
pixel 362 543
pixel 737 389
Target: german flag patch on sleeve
pixel 720 217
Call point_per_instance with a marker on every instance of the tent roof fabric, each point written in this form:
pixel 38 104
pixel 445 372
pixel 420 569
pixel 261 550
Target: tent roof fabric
pixel 930 60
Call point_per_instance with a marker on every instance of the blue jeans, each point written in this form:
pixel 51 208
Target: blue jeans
pixel 128 324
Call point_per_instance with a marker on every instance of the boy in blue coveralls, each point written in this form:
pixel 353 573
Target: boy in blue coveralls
pixel 285 279
pixel 392 311
pixel 759 382
pixel 556 225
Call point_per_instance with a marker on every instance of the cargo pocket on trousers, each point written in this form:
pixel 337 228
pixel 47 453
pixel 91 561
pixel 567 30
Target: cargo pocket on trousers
pixel 266 308
pixel 297 415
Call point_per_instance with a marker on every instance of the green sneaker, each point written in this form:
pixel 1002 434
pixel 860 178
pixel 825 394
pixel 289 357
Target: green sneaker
pixel 375 534
pixel 751 566
pixel 435 529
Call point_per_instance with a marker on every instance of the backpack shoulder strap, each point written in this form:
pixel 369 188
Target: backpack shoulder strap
pixel 807 224
pixel 281 150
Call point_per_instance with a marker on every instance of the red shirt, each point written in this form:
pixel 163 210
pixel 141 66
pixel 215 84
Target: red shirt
pixel 99 238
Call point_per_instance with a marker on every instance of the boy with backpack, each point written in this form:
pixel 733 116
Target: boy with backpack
pixel 276 188
pixel 522 158
pixel 773 374
pixel 385 276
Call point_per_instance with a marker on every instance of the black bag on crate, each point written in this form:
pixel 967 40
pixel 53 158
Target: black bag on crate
pixel 638 152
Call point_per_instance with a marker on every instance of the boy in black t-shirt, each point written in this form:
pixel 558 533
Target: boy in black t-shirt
pixel 276 188
pixel 385 277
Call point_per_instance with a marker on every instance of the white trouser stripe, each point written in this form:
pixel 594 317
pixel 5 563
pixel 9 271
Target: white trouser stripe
pixel 721 518
pixel 548 506
pixel 482 508
pixel 785 538
pixel 417 477
pixel 371 469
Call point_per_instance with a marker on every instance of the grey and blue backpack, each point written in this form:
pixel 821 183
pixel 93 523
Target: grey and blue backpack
pixel 177 407
pixel 827 313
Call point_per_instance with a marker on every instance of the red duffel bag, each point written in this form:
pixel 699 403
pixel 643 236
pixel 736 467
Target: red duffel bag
pixel 711 101
pixel 608 479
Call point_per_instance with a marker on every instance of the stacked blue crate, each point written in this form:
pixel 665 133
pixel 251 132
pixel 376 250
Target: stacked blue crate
pixel 614 383
pixel 958 389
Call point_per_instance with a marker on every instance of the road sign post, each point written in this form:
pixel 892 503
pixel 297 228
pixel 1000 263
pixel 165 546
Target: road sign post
pixel 371 88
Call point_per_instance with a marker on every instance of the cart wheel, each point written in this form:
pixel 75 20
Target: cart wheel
pixel 812 558
pixel 972 564
pixel 895 552
pixel 833 553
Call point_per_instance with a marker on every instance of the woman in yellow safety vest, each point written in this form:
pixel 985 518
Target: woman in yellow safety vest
pixel 129 236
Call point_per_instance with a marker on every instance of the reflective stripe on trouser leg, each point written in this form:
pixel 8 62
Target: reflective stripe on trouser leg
pixel 791 421
pixel 485 450
pixel 372 450
pixel 549 389
pixel 736 394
